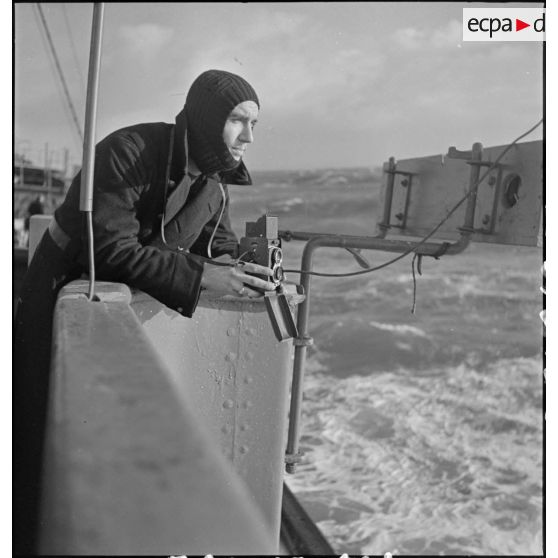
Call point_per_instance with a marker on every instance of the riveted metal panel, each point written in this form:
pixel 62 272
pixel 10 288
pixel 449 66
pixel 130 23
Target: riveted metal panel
pixel 227 363
pixel 129 468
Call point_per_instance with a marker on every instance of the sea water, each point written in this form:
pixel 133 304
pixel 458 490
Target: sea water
pixel 422 433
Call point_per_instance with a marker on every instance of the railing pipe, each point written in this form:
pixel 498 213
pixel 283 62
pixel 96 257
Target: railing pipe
pixel 379 243
pixel 301 343
pixel 88 161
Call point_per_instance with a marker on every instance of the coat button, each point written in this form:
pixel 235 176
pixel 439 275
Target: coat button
pixel 179 309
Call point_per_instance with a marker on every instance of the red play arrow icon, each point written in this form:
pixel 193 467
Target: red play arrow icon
pixel 519 25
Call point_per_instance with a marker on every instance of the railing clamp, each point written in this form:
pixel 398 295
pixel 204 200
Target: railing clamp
pixel 292 460
pixel 443 249
pixel 305 341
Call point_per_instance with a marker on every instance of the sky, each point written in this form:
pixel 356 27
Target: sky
pixel 341 84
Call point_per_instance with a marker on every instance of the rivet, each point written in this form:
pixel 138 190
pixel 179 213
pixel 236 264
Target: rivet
pixel 243 449
pixel 228 404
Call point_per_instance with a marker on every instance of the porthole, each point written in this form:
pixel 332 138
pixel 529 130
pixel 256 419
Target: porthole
pixel 511 186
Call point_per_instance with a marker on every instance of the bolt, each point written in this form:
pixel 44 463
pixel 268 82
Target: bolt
pixel 399 216
pixel 486 220
pixel 405 182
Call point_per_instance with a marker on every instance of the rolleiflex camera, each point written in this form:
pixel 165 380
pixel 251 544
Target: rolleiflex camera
pixel 262 246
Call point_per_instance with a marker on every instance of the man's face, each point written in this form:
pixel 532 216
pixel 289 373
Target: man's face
pixel 239 128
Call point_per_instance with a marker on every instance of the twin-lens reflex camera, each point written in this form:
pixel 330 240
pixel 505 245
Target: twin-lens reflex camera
pixel 262 246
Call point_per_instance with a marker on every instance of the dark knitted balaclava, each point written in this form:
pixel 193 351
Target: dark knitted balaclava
pixel 209 102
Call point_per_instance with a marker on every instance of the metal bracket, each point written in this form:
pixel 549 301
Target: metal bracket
pixel 407 183
pixel 454 153
pixel 303 341
pixel 474 159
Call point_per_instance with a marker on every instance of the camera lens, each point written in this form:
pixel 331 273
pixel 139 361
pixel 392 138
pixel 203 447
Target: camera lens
pixel 276 256
pixel 278 274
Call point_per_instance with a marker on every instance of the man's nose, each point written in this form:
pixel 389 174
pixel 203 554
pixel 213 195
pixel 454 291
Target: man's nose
pixel 247 135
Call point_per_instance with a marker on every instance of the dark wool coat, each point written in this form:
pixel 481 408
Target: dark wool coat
pixel 139 181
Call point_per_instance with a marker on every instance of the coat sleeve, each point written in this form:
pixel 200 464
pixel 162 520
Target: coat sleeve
pixel 225 240
pixel 121 176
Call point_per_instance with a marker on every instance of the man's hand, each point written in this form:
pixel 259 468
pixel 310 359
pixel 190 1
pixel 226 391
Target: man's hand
pixel 235 281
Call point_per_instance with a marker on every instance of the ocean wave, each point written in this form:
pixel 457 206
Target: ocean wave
pixel 401 329
pixel 284 206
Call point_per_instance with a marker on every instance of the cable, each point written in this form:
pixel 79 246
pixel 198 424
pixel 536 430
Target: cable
pixel 413 308
pixel 223 205
pixel 59 70
pixel 433 231
pixel 73 49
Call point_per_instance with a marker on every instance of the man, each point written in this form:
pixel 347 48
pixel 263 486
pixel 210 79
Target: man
pixel 160 217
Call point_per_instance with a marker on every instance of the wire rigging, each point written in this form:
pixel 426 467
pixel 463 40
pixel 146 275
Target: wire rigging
pixel 73 49
pixel 59 71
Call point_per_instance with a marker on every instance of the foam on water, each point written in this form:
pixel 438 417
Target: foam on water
pixel 445 463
